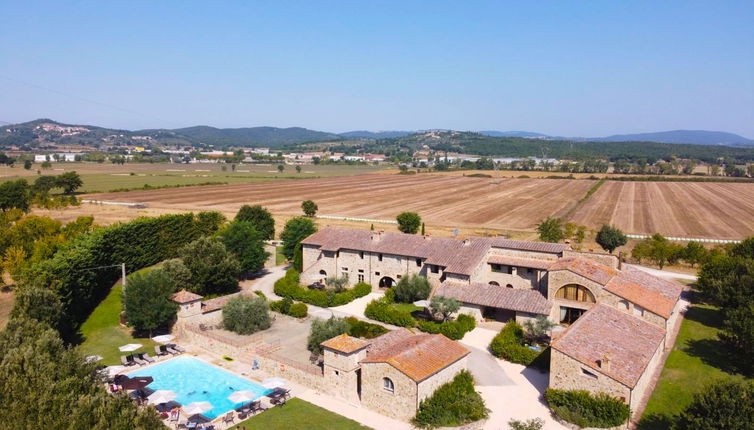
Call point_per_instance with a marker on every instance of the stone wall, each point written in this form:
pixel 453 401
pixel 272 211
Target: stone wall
pixel 567 373
pixel 624 305
pixel 646 378
pixel 429 385
pixel 400 404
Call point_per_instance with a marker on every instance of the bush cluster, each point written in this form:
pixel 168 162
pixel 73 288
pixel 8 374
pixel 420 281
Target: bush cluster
pixel 453 404
pixel 363 329
pixel 455 330
pixel 286 306
pixel 582 408
pixel 509 345
pixel 381 310
pixel 288 286
pixel 246 315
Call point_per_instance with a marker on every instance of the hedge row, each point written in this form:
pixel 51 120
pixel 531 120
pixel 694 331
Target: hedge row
pixel 381 310
pixel 363 329
pixel 582 408
pixel 288 286
pixel 286 306
pixel 453 404
pixel 455 330
pixel 81 273
pixel 509 345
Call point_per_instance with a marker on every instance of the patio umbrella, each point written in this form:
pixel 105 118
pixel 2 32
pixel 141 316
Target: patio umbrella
pixel 242 396
pixel 161 396
pixel 92 358
pixel 130 347
pixel 197 408
pixel 165 338
pixel 422 303
pixel 273 383
pixel 136 383
pixel 114 370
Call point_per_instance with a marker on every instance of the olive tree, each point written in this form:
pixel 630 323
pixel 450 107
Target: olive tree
pixel 323 330
pixel 309 207
pixel 408 222
pixel 444 306
pixel 246 315
pixel 412 288
pixel 610 238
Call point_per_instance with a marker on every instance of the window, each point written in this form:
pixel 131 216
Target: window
pixel 434 268
pixel 508 286
pixel 493 283
pixel 323 273
pixel 376 273
pixel 345 269
pixel 379 257
pixel 623 304
pixel 418 262
pixel 510 270
pixel 575 292
pixel 361 254
pixel 588 374
pixel 337 254
pixel 361 270
pixel 361 277
pixel 387 384
pixel 497 268
pixel 638 311
pixel 529 270
pixel 399 276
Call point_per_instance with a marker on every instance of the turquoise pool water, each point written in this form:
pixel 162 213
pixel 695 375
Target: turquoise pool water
pixel 194 380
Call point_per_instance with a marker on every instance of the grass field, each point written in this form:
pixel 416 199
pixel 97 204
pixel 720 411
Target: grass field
pixel 299 414
pixel 697 359
pixel 103 333
pixel 108 177
pixel 279 257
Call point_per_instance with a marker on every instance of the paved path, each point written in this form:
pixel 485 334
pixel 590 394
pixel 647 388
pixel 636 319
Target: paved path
pixel 664 273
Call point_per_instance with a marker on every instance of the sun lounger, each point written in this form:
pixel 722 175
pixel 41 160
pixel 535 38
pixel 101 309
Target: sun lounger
pixel 145 356
pixel 176 347
pixel 172 350
pixel 125 361
pixel 255 407
pixel 138 360
pixel 228 418
pixel 160 351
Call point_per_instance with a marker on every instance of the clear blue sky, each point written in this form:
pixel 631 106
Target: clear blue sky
pixel 562 67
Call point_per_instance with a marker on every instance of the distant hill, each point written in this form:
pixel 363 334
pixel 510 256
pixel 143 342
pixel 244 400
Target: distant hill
pixel 530 134
pixel 253 136
pixel 698 137
pixel 364 134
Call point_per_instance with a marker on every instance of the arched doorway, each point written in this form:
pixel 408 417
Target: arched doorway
pixel 494 284
pixel 386 282
pixel 574 293
pixel 323 273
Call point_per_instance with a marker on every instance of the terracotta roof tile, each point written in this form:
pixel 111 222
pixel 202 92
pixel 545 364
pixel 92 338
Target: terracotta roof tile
pixel 520 262
pixel 418 356
pixel 650 292
pixel 457 256
pixel 184 296
pixel 217 303
pixel 627 341
pixel 345 343
pixel 587 268
pixel 515 299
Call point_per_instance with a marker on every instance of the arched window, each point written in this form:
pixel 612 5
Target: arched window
pixel 575 292
pixel 323 273
pixel 494 283
pixel 508 286
pixel 387 384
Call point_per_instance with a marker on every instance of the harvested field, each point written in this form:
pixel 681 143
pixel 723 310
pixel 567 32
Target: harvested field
pixel 512 204
pixel 684 209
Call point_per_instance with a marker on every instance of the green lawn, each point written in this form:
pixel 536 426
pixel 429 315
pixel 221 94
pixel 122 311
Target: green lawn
pixel 697 359
pixel 299 414
pixel 103 333
pixel 407 307
pixel 279 257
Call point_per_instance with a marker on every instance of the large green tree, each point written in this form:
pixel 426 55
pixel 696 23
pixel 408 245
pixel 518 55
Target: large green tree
pixel 610 237
pixel 246 315
pixel 551 230
pixel 409 222
pixel 15 194
pixel 658 250
pixel 411 288
pixel 722 406
pixel 260 218
pixel 214 270
pixel 246 243
pixel 309 207
pixel 322 330
pixel 296 230
pixel 146 300
pixel 69 182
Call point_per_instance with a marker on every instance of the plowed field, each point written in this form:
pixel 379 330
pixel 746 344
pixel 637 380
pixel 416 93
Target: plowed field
pixel 514 204
pixel 683 209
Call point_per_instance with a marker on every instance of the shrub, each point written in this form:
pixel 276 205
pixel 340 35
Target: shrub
pixel 246 315
pixel 298 310
pixel 582 408
pixel 286 306
pixel 260 294
pixel 453 404
pixel 363 329
pixel 381 310
pixel 322 330
pixel 509 345
pixel 531 424
pixel 412 288
pixel 452 329
pixel 288 287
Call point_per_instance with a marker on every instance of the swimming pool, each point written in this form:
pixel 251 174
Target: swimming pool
pixel 194 380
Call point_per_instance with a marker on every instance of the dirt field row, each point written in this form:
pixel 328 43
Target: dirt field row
pixel 685 209
pixel 516 204
pixel 690 209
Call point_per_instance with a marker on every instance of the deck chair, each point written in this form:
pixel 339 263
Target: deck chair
pixel 125 361
pixel 138 360
pixel 176 347
pixel 228 418
pixel 145 356
pixel 171 350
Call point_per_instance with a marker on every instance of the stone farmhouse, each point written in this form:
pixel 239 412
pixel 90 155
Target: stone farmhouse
pixel 619 319
pixel 392 373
